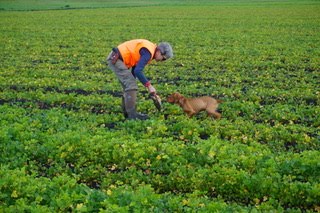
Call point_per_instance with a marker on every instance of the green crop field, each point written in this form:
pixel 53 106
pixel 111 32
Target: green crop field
pixel 66 147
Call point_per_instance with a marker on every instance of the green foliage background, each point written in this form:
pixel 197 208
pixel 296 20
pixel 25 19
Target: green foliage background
pixel 65 146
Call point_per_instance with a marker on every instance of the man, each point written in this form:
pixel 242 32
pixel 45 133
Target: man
pixel 135 55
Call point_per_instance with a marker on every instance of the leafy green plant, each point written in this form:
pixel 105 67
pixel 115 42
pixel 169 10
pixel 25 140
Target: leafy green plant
pixel 66 146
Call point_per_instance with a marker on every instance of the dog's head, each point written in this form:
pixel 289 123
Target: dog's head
pixel 175 98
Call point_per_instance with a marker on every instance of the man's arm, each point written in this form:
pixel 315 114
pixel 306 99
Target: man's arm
pixel 137 71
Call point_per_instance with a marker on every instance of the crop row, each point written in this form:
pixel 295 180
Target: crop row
pixel 285 125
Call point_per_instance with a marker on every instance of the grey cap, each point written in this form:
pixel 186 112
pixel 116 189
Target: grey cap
pixel 165 49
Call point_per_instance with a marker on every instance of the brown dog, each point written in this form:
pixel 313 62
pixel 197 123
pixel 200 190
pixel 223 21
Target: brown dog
pixel 192 106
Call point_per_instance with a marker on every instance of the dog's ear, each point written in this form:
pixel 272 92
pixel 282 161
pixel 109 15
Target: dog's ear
pixel 170 98
pixel 182 101
pixel 176 97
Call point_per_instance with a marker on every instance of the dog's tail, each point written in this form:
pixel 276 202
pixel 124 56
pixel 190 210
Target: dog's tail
pixel 219 101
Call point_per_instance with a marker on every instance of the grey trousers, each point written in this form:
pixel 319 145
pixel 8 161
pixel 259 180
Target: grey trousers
pixel 123 73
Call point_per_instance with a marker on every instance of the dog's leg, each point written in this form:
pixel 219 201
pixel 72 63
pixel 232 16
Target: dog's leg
pixel 214 114
pixel 217 115
pixel 190 113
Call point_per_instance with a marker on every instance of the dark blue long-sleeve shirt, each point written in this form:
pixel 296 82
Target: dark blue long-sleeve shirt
pixel 137 70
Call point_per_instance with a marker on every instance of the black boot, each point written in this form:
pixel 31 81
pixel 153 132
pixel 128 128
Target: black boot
pixel 130 98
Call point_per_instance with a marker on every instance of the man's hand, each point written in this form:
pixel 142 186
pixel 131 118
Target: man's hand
pixel 151 89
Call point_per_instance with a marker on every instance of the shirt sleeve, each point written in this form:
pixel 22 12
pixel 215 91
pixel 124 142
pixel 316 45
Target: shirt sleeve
pixel 145 56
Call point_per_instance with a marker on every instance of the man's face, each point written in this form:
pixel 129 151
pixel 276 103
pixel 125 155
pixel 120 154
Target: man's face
pixel 158 56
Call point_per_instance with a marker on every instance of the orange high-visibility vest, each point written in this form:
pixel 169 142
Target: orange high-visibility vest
pixel 129 51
